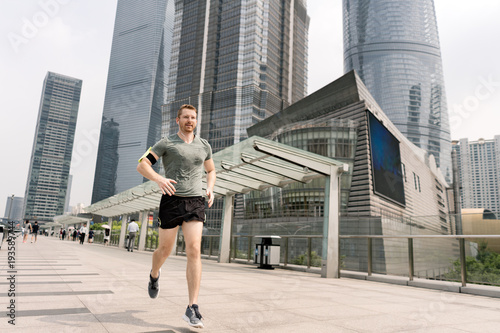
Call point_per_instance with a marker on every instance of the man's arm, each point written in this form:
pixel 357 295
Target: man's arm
pixel 210 168
pixel 166 185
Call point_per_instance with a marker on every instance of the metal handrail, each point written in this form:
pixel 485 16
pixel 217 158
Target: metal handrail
pixel 411 268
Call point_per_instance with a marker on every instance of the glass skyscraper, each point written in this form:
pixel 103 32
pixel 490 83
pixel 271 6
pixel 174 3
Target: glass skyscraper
pixel 47 183
pixel 136 89
pixel 238 62
pixel 394 47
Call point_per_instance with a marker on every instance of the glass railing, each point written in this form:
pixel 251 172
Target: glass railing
pixel 460 258
pixel 464 248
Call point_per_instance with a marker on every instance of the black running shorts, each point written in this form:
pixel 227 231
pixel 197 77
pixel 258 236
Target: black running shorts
pixel 175 210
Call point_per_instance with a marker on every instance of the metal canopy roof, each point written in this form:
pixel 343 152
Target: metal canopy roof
pixel 67 219
pixel 253 164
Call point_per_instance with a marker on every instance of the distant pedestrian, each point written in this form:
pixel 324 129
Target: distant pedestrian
pixel 34 231
pixel 107 233
pixel 27 229
pixel 83 232
pixel 91 236
pixel 132 229
pixel 63 233
pixel 60 234
pixel 75 233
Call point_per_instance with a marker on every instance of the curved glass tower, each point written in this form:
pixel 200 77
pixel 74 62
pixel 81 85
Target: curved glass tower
pixel 394 48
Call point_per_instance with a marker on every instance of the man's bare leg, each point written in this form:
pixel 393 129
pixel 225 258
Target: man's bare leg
pixel 166 241
pixel 192 231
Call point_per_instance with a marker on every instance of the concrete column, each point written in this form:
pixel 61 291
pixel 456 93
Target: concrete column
pixel 123 231
pixel 225 230
pixel 144 218
pixel 331 245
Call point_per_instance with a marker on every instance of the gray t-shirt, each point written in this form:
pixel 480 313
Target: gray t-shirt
pixel 183 163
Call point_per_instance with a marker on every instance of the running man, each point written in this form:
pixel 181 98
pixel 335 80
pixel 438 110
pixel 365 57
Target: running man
pixel 184 155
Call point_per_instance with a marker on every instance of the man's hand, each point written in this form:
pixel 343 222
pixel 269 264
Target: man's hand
pixel 166 185
pixel 210 195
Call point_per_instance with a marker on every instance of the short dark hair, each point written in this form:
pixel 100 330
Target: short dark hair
pixel 186 106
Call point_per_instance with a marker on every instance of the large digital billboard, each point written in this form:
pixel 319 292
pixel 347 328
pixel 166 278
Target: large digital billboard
pixel 386 162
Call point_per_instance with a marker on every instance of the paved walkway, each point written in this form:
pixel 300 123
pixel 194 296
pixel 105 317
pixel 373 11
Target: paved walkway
pixel 68 287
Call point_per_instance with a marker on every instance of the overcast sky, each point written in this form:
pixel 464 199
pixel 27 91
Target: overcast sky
pixel 74 38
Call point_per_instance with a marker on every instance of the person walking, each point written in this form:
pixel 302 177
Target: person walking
pixel 27 230
pixel 83 232
pixel 184 155
pixel 63 233
pixel 91 236
pixel 107 233
pixel 132 229
pixel 34 231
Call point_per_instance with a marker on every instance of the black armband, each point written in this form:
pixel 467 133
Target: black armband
pixel 151 158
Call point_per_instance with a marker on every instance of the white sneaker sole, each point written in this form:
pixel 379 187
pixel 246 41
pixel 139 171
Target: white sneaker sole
pixel 200 325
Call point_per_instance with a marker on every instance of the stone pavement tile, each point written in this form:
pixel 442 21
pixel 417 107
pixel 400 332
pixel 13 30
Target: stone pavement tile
pixel 174 319
pixel 253 321
pixel 108 305
pixel 477 301
pixel 355 300
pixel 133 321
pixel 387 307
pixel 324 313
pixel 379 323
pixel 482 327
pixel 435 317
pixel 230 308
pixel 322 327
pixel 437 329
pixel 82 321
pixel 23 303
pixel 88 327
pixel 300 301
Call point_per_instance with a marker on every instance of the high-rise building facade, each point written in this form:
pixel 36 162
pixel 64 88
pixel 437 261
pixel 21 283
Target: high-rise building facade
pixel 394 47
pixel 238 62
pixel 479 172
pixel 47 183
pixel 14 208
pixel 135 91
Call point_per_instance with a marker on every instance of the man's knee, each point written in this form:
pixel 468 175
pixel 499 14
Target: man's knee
pixel 193 250
pixel 163 251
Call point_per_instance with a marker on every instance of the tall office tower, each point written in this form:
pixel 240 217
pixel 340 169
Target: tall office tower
pixel 14 208
pixel 136 89
pixel 52 147
pixel 68 196
pixel 479 172
pixel 238 62
pixel 394 47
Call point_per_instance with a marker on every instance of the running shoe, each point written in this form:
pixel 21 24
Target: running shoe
pixel 154 285
pixel 193 316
